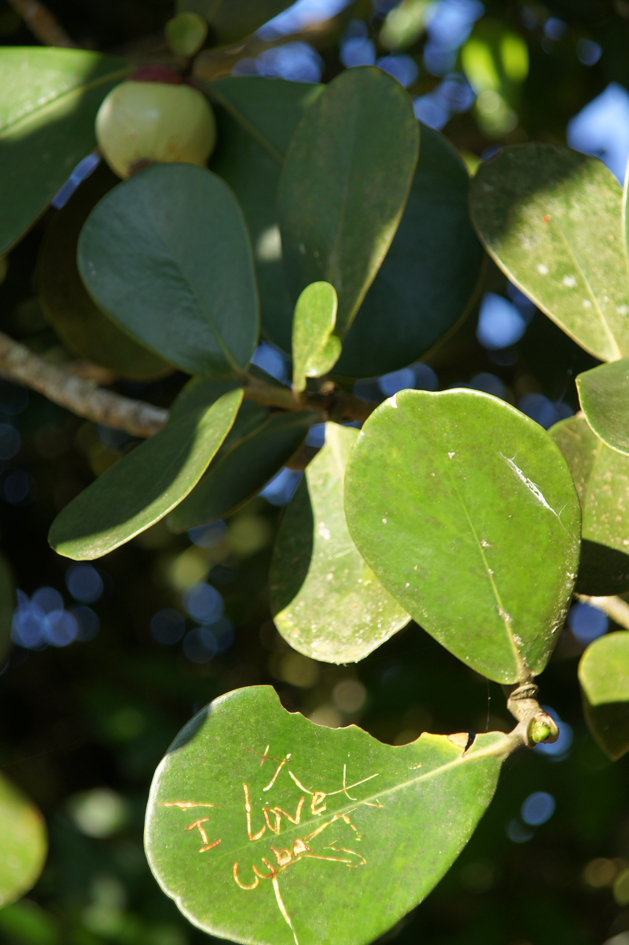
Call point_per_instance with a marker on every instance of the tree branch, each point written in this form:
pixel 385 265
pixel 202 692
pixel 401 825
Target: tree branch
pixel 42 23
pixel 75 394
pixel 73 387
pixel 614 607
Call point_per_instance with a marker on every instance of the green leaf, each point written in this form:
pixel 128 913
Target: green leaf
pixel 604 678
pixel 145 484
pixel 234 20
pixel 23 842
pixel 7 604
pixel 186 33
pixel 345 183
pixel 467 513
pixel 430 275
pixel 81 325
pixel 551 218
pixel 601 476
pixel 166 254
pixel 336 835
pixel 256 118
pixel 604 396
pixel 243 469
pixel 315 349
pixel 48 104
pixel 326 602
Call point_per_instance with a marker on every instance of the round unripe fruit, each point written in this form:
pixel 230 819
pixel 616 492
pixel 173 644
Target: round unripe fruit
pixel 146 122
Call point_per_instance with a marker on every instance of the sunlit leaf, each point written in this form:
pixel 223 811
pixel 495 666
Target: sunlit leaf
pixel 23 843
pixel 601 476
pixel 82 326
pixel 345 184
pixel 243 468
pixel 325 600
pixel 263 808
pixel 256 118
pixel 234 20
pixel 604 396
pixel 551 218
pixel 467 513
pixel 166 254
pixel 604 678
pixel 430 275
pixel 315 348
pixel 145 484
pixel 48 102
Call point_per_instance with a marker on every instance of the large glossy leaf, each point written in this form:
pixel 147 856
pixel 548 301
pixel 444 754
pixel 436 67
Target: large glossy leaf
pixel 23 842
pixel 7 605
pixel 601 476
pixel 233 20
pixel 604 396
pixel 315 348
pixel 243 469
pixel 466 511
pixel 82 326
pixel 604 678
pixel 551 218
pixel 256 119
pixel 166 254
pixel 430 275
pixel 304 834
pixel 48 102
pixel 145 484
pixel 345 184
pixel 325 600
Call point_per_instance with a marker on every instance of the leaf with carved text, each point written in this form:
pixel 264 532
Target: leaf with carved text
pixel 466 511
pixel 326 601
pixel 145 484
pixel 263 807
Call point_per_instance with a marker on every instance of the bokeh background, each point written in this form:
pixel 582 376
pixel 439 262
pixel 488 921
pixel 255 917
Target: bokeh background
pixel 110 660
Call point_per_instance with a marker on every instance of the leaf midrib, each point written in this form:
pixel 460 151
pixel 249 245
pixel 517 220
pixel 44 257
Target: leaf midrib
pixel 231 362
pixel 520 665
pixel 593 298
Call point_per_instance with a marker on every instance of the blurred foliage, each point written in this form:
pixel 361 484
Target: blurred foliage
pixel 83 727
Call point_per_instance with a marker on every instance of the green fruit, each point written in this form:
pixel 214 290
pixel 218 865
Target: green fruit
pixel 154 122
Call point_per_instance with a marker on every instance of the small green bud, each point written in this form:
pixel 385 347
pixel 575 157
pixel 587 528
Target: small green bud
pixel 542 729
pixel 186 33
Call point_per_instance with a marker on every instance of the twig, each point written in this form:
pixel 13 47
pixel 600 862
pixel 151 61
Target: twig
pixel 614 607
pixel 42 23
pixel 66 385
pixel 75 394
